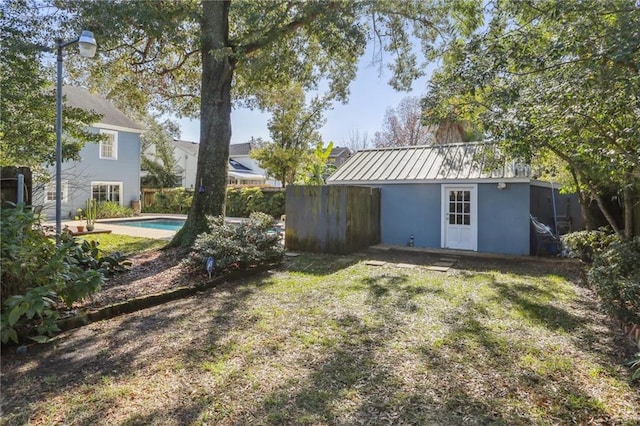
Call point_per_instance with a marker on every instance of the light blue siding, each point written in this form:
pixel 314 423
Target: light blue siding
pixel 125 169
pixel 410 209
pixel 91 168
pixel 503 218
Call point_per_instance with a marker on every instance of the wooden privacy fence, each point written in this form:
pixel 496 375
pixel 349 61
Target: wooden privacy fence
pixel 332 219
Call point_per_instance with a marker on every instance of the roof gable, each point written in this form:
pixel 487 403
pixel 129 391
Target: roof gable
pixel 78 97
pixel 468 161
pixel 189 147
pixel 240 148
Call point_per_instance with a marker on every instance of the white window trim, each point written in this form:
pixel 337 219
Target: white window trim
pixel 64 189
pixel 103 182
pixel 115 145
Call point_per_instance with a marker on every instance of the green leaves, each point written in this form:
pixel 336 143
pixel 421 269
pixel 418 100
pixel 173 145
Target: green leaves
pixel 557 77
pixel 28 95
pixel 37 275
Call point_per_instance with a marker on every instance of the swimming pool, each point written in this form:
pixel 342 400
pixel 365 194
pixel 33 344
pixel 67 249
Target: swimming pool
pixel 164 224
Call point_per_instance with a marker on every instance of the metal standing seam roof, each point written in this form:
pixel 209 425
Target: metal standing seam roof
pixel 459 161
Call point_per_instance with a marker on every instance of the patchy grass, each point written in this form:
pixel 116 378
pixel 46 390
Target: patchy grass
pixel 329 340
pixel 124 244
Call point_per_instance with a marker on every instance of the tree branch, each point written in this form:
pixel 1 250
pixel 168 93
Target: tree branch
pixel 277 33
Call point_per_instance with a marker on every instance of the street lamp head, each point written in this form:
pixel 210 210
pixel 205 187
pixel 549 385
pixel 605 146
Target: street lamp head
pixel 87 44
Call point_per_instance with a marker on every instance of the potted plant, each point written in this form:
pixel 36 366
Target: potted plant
pixel 91 211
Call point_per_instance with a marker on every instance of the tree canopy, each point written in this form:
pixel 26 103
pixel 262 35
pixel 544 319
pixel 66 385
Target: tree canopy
pixel 28 102
pixel 403 126
pixel 554 77
pixel 157 152
pixel 294 133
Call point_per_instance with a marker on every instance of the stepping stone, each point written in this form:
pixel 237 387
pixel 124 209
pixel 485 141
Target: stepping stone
pixel 291 254
pixel 406 265
pixel 375 263
pixel 438 268
pixel 444 264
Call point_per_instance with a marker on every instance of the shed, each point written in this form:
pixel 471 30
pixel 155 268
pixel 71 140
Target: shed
pixel 462 196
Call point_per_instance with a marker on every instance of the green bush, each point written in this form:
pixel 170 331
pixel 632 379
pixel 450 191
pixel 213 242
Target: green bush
pixel 241 202
pixel 237 245
pixel 37 276
pixel 175 201
pixel 615 275
pixel 586 245
pixel 111 209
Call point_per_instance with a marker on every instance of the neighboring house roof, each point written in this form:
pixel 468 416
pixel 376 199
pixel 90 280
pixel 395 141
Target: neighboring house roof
pixel 339 151
pixel 112 117
pixel 189 147
pixel 429 163
pixel 240 148
pixel 236 169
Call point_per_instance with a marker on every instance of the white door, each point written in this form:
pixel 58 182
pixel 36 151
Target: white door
pixel 459 211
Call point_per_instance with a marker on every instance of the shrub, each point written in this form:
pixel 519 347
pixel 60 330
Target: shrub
pixel 241 202
pixel 111 209
pixel 634 364
pixel 615 275
pixel 177 200
pixel 37 275
pixel 237 245
pixel 585 245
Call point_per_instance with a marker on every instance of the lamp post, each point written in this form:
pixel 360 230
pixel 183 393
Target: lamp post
pixel 87 46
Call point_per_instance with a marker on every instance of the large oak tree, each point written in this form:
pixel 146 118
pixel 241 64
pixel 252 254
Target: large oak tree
pixel 200 59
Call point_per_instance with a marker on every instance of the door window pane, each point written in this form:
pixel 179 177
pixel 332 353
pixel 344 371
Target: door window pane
pixel 460 207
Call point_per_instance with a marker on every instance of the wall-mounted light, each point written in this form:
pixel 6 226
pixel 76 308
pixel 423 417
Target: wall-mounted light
pixel 502 185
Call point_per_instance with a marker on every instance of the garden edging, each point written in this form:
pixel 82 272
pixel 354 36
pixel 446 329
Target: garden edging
pixel 148 301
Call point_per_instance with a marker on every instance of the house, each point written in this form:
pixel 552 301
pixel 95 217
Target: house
pixel 338 156
pixel 240 153
pixel 460 196
pixel 108 171
pixel 186 155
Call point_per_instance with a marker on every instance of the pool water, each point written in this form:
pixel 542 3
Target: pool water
pixel 164 224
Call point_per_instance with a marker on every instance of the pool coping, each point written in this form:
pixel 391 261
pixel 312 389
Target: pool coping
pixel 106 225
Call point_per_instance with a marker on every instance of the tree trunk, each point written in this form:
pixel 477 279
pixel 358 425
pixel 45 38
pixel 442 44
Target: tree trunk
pixel 215 122
pixel 582 201
pixel 627 199
pixel 607 215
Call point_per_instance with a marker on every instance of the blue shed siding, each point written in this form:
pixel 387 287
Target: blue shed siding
pixel 410 209
pixel 503 218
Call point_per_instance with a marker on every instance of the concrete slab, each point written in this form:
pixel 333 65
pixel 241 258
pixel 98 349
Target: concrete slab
pixel 375 263
pixel 443 264
pixel 406 265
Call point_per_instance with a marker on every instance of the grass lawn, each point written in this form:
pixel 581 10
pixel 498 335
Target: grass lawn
pixel 331 340
pixel 110 243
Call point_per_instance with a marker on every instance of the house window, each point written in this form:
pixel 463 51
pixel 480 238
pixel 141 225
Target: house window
pixel 51 191
pixel 109 145
pixel 107 191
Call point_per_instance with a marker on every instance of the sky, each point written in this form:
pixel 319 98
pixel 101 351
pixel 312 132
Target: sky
pixel 364 112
